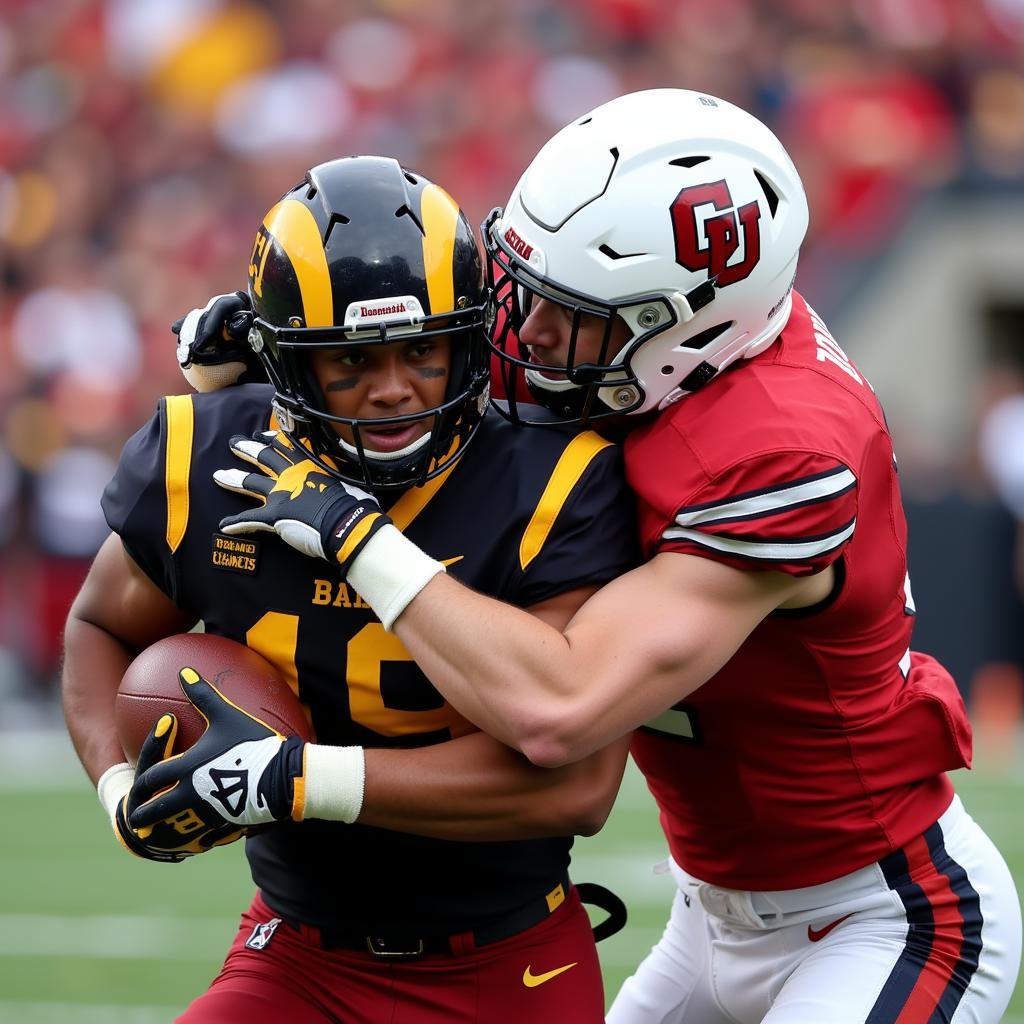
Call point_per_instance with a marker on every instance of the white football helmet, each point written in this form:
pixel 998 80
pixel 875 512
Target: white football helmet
pixel 676 211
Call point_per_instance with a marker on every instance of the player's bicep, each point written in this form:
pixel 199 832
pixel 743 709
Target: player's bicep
pixel 659 632
pixel 559 610
pixel 119 598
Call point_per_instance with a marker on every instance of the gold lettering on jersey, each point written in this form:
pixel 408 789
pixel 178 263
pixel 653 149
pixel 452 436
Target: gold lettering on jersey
pixel 336 594
pixel 234 554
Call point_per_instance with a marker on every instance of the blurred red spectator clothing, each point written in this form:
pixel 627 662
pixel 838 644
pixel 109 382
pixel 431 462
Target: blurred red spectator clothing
pixel 860 139
pixel 57 581
pixel 629 21
pixel 36 592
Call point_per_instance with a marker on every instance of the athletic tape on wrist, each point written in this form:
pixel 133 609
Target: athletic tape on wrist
pixel 335 777
pixel 390 571
pixel 113 786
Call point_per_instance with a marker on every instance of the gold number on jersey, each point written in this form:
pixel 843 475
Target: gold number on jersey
pixel 276 635
pixel 367 651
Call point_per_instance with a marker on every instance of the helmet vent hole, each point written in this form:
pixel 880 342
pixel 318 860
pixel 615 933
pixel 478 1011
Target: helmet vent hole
pixel 688 161
pixel 607 250
pixel 411 178
pixel 769 193
pixel 704 338
pixel 668 370
pixel 336 219
pixel 311 194
pixel 406 211
pixel 585 120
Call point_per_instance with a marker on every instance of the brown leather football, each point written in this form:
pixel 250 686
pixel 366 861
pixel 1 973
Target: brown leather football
pixel 150 688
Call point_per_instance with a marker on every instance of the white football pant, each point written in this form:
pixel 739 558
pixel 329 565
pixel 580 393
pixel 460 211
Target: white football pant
pixel 929 935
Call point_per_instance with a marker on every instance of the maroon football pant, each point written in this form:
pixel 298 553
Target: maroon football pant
pixel 548 974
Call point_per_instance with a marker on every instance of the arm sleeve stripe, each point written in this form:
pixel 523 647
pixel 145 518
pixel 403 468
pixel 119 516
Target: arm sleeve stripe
pixel 771 500
pixel 177 465
pixel 572 464
pixel 781 551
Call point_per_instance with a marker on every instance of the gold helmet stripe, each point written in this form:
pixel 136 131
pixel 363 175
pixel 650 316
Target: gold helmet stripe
pixel 572 464
pixel 440 216
pixel 177 465
pixel 292 225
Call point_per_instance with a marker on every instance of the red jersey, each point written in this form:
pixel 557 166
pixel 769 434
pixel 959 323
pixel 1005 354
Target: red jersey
pixel 822 744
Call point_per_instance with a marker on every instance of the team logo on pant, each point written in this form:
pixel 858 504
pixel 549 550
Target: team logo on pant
pixel 262 934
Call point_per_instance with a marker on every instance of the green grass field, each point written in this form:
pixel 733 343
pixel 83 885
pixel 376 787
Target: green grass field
pixel 90 935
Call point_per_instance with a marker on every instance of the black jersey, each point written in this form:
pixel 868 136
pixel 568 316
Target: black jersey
pixel 523 516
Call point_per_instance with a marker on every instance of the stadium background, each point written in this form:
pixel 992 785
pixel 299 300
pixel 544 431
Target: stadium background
pixel 142 140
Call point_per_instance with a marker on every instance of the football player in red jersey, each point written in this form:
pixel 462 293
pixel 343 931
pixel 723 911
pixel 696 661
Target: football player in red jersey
pixel 369 287
pixel 795 744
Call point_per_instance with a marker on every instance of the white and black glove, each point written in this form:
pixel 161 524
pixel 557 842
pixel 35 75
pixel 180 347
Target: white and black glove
pixel 324 517
pixel 179 837
pixel 240 773
pixel 213 343
pixel 315 513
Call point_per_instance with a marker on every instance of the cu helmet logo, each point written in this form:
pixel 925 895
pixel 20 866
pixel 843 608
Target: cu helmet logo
pixel 721 233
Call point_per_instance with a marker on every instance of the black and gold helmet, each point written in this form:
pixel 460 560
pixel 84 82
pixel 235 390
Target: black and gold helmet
pixel 365 252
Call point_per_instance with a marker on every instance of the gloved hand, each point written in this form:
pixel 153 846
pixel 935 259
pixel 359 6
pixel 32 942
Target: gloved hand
pixel 239 773
pixel 182 835
pixel 213 347
pixel 317 514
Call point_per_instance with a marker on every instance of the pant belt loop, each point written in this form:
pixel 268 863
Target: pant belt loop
pixel 462 944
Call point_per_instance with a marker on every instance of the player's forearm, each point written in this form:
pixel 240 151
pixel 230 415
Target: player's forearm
pixel 94 662
pixel 635 648
pixel 512 675
pixel 476 789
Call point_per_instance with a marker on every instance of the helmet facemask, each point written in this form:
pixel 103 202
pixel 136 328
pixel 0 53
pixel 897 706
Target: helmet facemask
pixel 579 391
pixel 302 408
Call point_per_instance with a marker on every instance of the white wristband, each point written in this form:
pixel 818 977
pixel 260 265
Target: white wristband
pixel 390 571
pixel 335 777
pixel 212 377
pixel 114 785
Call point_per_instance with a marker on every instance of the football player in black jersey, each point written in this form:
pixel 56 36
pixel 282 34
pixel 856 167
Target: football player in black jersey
pixel 369 320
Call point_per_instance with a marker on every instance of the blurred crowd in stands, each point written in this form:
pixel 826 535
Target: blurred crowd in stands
pixel 142 140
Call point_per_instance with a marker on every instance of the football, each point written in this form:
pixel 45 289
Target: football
pixel 150 688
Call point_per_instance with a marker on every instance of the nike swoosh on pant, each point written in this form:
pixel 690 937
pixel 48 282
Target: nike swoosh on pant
pixel 817 935
pixel 531 980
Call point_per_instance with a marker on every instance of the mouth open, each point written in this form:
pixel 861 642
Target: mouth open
pixel 391 439
pixel 556 372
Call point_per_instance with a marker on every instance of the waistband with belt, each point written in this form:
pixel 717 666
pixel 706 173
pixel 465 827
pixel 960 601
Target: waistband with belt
pixel 404 945
pixel 861 889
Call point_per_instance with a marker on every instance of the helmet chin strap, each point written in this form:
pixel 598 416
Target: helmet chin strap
pixel 546 383
pixel 373 456
pixel 560 385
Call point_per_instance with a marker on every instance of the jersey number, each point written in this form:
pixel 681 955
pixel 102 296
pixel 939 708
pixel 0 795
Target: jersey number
pixel 276 636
